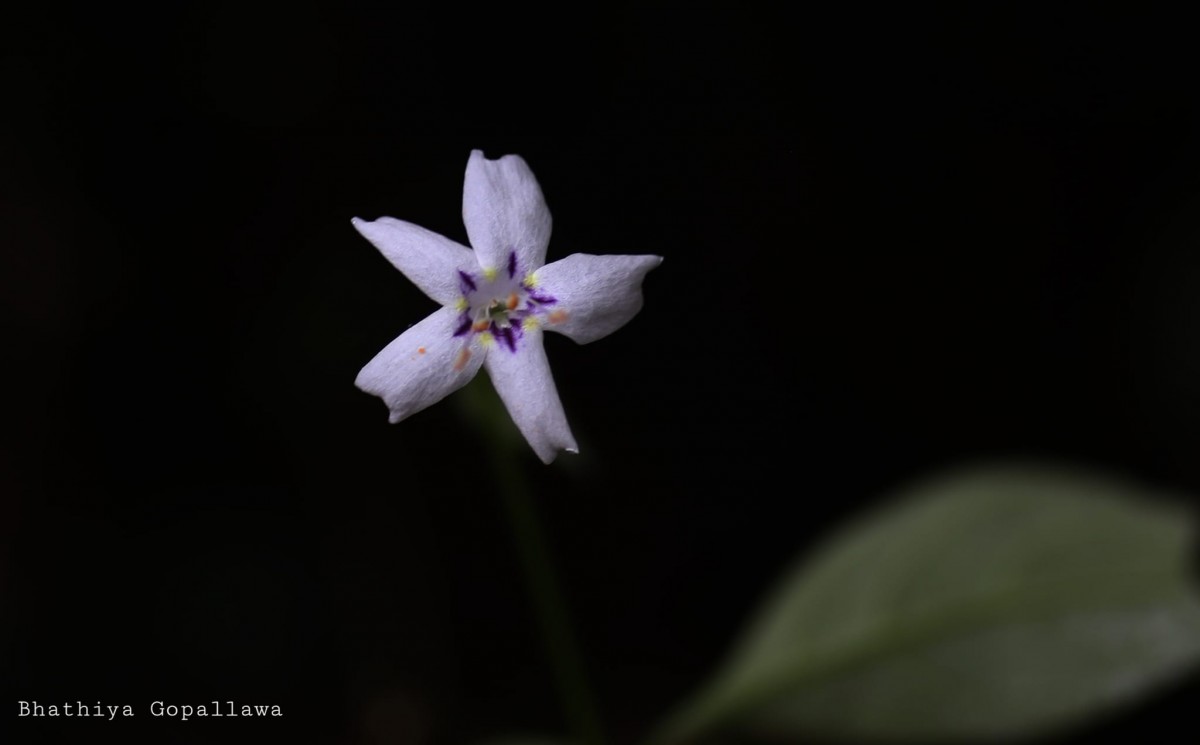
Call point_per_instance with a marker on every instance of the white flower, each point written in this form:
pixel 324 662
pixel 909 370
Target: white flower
pixel 498 299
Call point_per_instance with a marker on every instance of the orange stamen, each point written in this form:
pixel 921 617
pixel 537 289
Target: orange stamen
pixel 512 301
pixel 481 325
pixel 461 362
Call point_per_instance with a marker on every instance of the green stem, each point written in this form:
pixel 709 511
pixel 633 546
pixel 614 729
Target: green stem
pixel 534 554
pixel 552 617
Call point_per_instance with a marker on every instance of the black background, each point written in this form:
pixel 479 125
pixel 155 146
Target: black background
pixel 894 241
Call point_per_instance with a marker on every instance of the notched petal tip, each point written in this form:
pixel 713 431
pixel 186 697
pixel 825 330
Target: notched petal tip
pixel 363 225
pixel 478 154
pixel 368 381
pixel 505 212
pixel 525 385
pixel 417 369
pixel 549 456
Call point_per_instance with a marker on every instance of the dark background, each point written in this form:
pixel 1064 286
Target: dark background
pixel 894 242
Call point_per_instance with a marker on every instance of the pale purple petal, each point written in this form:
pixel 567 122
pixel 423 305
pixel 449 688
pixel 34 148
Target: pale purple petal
pixel 431 261
pixel 506 216
pixel 523 380
pixel 422 366
pixel 596 295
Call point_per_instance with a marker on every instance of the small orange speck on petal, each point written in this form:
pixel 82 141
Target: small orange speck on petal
pixel 461 362
pixel 420 350
pixel 512 301
pixel 558 316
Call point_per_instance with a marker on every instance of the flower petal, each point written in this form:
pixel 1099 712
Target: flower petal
pixel 523 380
pixel 429 260
pixel 505 213
pixel 422 366
pixel 596 295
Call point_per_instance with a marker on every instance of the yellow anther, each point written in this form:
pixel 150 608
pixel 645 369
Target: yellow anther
pixel 489 274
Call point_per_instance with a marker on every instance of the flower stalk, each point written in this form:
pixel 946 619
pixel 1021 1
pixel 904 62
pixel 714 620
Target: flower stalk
pixel 486 411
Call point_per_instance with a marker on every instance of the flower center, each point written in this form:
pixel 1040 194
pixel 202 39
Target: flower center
pixel 499 307
pixel 498 311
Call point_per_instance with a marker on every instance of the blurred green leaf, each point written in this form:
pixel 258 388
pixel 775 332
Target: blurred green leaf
pixel 991 602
